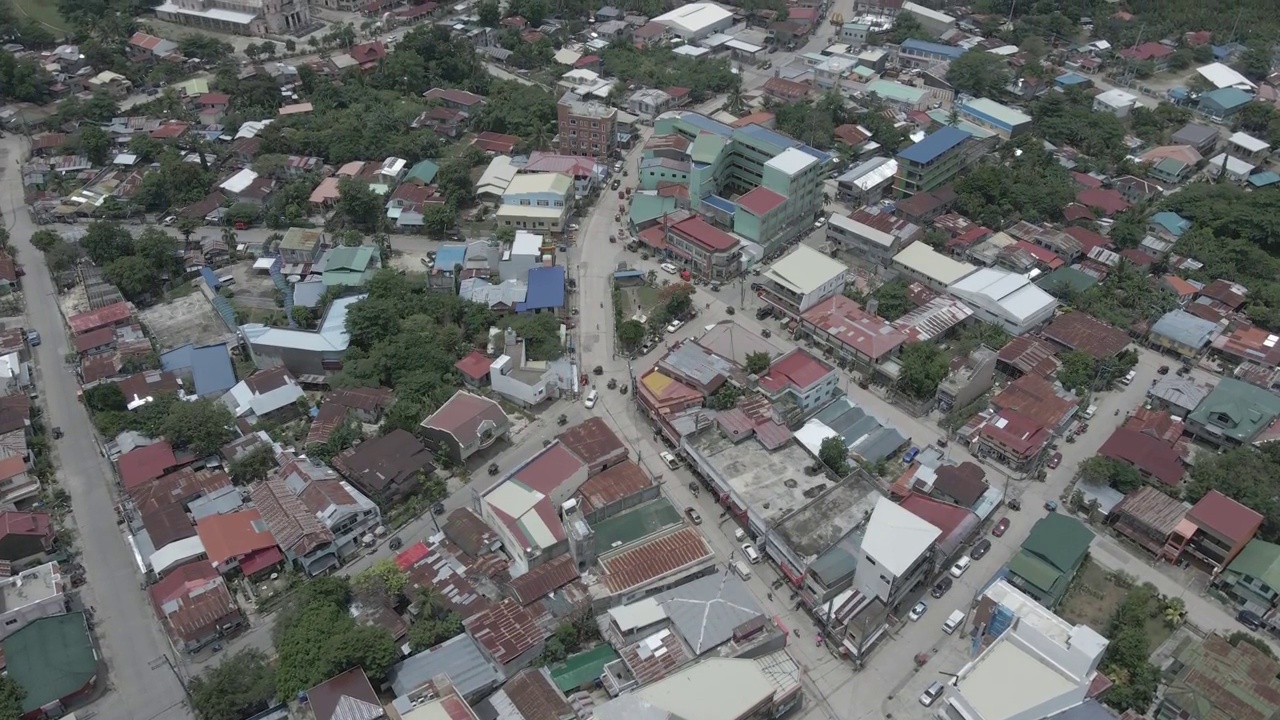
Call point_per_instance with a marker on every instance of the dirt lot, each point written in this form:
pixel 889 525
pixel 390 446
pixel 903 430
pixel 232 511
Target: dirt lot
pixel 1092 599
pixel 188 319
pixel 252 290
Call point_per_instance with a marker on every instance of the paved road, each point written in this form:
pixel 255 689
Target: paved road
pixel 130 637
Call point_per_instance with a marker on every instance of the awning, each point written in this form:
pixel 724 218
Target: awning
pixel 261 560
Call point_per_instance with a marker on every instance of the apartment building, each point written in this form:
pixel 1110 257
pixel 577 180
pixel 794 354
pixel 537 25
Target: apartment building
pixel 586 127
pixel 540 203
pixel 242 17
pixel 704 249
pixel 932 162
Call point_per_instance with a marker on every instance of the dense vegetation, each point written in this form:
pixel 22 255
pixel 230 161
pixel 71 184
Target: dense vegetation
pixel 317 638
pixel 1244 474
pixel 1068 119
pixel 661 68
pixel 1029 185
pixel 1126 659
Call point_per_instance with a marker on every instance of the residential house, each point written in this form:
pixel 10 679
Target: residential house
pixel 970 377
pixel 1252 579
pixel 1214 679
pixel 1050 557
pixel 272 396
pixel 456 99
pixel 1154 459
pixel 1224 103
pixel 386 468
pixel 1216 530
pixel 595 444
pixel 854 335
pixel 195 607
pixel 348 696
pixel 1136 190
pixel 1116 102
pixel 239 541
pixel 300 246
pixel 802 279
pixel 538 202
pixel 1182 333
pixel 25 537
pixel 311 355
pixel 31 595
pixel 463 426
pixel 524 380
pixel 367 404
pixel 1156 53
pixel 1201 137
pixel 508 635
pixel 1234 413
pixel 350 266
pixel 207 368
pixel 55 662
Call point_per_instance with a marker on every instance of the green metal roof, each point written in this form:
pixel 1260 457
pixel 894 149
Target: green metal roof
pixel 1236 409
pixel 354 259
pixel 1259 559
pixel 1059 540
pixel 1035 571
pixel 707 148
pixel 1218 681
pixel 627 527
pixel 424 172
pixel 583 668
pixel 1067 279
pixel 646 207
pixel 51 658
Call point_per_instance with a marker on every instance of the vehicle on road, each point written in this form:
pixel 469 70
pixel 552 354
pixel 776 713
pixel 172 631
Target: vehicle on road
pixel 918 611
pixel 669 269
pixel 693 515
pixel 395 543
pixel 753 555
pixel 57 433
pixel 1249 619
pixel 493 468
pixel 954 620
pixel 1054 461
pixel 910 455
pixel 615 184
pixel 931 693
pixel 1051 506
pixel 693 488
pixel 670 460
pixel 1164 370
pixel 1001 527
pixel 686 275
pixel 961 566
pixel 819 223
pixel 592 397
pixel 982 548
pixel 33 338
pixel 674 326
pixel 764 312
pixel 437 508
pixel 941 587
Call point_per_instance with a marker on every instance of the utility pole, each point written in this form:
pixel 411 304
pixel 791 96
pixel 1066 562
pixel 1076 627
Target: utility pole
pixel 166 660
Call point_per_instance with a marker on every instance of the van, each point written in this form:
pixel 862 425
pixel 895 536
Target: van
pixel 953 622
pixel 753 555
pixel 1129 377
pixel 1090 411
pixel 739 534
pixel 741 570
pixel 590 402
pixel 961 566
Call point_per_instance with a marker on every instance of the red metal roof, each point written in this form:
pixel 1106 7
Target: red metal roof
pixel 260 560
pixel 654 559
pixel 1147 51
pixel 505 630
pixel 1045 256
pixel 474 365
pixel 102 317
pixel 1149 455
pixel 1036 398
pixel 234 535
pixel 455 96
pixel 1109 202
pixel 1226 517
pixel 193 600
pixel 845 321
pixel 146 463
pixel 1017 431
pixel 95 339
pixel 798 369
pixel 593 442
pixel 617 483
pixel 496 142
pixel 1080 331
pixel 544 580
pixel 1088 239
pixel 948 518
pixel 13 522
pixel 701 232
pixel 213 99
pixel 548 469
pixel 760 201
pixel 1076 211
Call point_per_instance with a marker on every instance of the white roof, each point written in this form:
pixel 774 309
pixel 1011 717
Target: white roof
pixel 526 243
pixel 528 211
pixel 550 182
pixel 520 504
pixel 1117 98
pixel 175 552
pixel 230 16
pixel 897 537
pixel 923 11
pixel 497 176
pixel 805 270
pixel 251 128
pixel 330 337
pixel 1007 681
pixel 694 17
pixel 1235 166
pixel 1224 77
pixel 923 259
pixel 791 161
pixel 744 46
pixel 641 613
pixel 1006 293
pixel 691 51
pixel 240 181
pixel 714 689
pixel 1249 142
pixel 565 56
pixel 862 230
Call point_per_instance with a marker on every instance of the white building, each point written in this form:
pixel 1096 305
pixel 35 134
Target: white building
pixel 1006 299
pixel 30 596
pixel 920 262
pixel 895 552
pixel 803 278
pixel 529 382
pixel 243 17
pixel 931 20
pixel 1037 666
pixel 696 21
pixel 1223 76
pixel 1116 102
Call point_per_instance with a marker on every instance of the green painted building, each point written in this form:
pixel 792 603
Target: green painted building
pixel 765 186
pixel 1253 577
pixel 351 266
pixel 932 162
pixel 1050 557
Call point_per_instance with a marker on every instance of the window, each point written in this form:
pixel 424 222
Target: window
pixel 11 621
pixel 573 121
pixel 543 203
pixel 524 203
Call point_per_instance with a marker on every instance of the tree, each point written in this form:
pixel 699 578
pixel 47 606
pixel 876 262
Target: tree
pixel 504 236
pixel 62 257
pixel 757 362
pixel 893 300
pixel 438 220
pixel 319 639
pixel 1077 371
pixel 158 248
pixel 725 398
pixel 290 46
pixel 44 240
pixel 241 685
pixel 358 203
pixel 980 74
pixel 631 334
pixel 303 316
pixel 133 275
pixel 105 241
pixel 426 633
pixel 94 144
pixel 489 13
pixel 11 696
pixel 1240 636
pixel 107 397
pixel 252 51
pixel 380 582
pixel 1099 470
pixel 924 366
pixel 677 299
pixel 835 455
pixel 1029 185
pixel 202 426
pixel 251 468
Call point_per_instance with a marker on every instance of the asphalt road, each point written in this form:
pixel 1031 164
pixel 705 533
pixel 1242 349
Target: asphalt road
pixel 139 686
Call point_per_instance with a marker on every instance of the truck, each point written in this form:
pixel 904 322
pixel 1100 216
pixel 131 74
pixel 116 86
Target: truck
pixel 837 18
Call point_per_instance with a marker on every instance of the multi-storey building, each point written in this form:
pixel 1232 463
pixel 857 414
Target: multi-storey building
pixel 704 249
pixel 242 17
pixel 779 179
pixel 932 162
pixel 586 127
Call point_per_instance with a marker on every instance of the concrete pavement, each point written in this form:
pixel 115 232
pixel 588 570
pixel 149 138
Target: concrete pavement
pixel 138 685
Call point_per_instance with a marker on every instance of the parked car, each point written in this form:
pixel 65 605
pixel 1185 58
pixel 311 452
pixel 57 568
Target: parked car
pixel 819 223
pixel 764 312
pixel 941 587
pixel 1249 619
pixel 931 694
pixel 615 184
pixel 33 338
pixel 982 548
pixel 693 515
pixel 1000 527
pixel 669 269
pixel 961 566
pixel 674 326
pixel 669 460
pixel 592 397
pixel 1054 461
pixel 395 544
pixel 910 455
pixel 918 611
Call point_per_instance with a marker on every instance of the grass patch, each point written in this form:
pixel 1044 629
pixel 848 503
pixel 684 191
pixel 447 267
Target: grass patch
pixel 639 298
pixel 1094 596
pixel 44 12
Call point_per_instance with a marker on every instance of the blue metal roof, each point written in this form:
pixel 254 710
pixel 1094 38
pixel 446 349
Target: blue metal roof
pixel 628 274
pixel 823 157
pixel 209 366
pixel 209 278
pixel 764 134
pixel 1070 79
pixel 546 289
pixel 1265 178
pixel 702 122
pixel 451 255
pixel 720 204
pixel 950 51
pixel 937 143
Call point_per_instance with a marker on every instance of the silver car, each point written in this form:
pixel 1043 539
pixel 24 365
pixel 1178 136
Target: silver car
pixel 931 694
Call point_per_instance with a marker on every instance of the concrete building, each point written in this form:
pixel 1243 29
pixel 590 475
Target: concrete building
pixel 1007 122
pixel 523 507
pixel 539 202
pixel 928 266
pixel 29 596
pixel 779 179
pixel 241 17
pixel 310 355
pixel 932 162
pixel 716 688
pixel 922 55
pixel 1007 300
pixel 464 425
pixel 1031 664
pixel 802 279
pixel 968 381
pixel 525 381
pixel 586 127
pixel 930 20
pixel 854 335
pixel 1115 101
pixel 865 184
pixel 703 249
pixel 696 21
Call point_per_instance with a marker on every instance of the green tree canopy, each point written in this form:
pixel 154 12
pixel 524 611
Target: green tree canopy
pixel 834 454
pixel 202 426
pixel 133 275
pixel 241 685
pixel 980 74
pixel 924 366
pixel 1029 185
pixel 11 696
pixel 758 362
pixel 106 241
pixel 893 300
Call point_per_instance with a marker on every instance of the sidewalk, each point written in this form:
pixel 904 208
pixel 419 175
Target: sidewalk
pixel 1204 612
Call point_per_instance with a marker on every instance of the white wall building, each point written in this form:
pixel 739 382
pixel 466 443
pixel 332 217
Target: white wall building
pixel 804 278
pixel 931 20
pixel 894 552
pixel 30 596
pixel 696 21
pixel 1116 102
pixel 1006 299
pixel 1037 666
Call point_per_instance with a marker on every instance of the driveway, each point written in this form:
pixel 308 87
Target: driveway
pixel 139 686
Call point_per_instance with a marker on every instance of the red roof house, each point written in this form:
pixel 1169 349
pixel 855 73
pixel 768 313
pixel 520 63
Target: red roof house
pixel 145 463
pixel 1108 202
pixel 1151 457
pixel 194 605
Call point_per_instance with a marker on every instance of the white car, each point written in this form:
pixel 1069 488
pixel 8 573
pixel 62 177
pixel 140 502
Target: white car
pixel 674 326
pixel 821 221
pixel 918 611
pixel 931 694
pixel 669 269
pixel 590 402
pixel 671 460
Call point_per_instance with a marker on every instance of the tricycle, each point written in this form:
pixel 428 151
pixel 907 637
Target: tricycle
pixel 612 384
pixel 562 420
pixel 623 389
pixel 1051 506
pixel 57 433
pixel 597 370
pixel 921 659
pixel 493 468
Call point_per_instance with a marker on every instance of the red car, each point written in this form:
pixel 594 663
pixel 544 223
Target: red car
pixel 1054 460
pixel 1000 527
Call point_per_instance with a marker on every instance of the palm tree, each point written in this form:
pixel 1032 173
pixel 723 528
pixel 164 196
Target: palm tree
pixel 229 239
pixel 540 137
pixel 735 101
